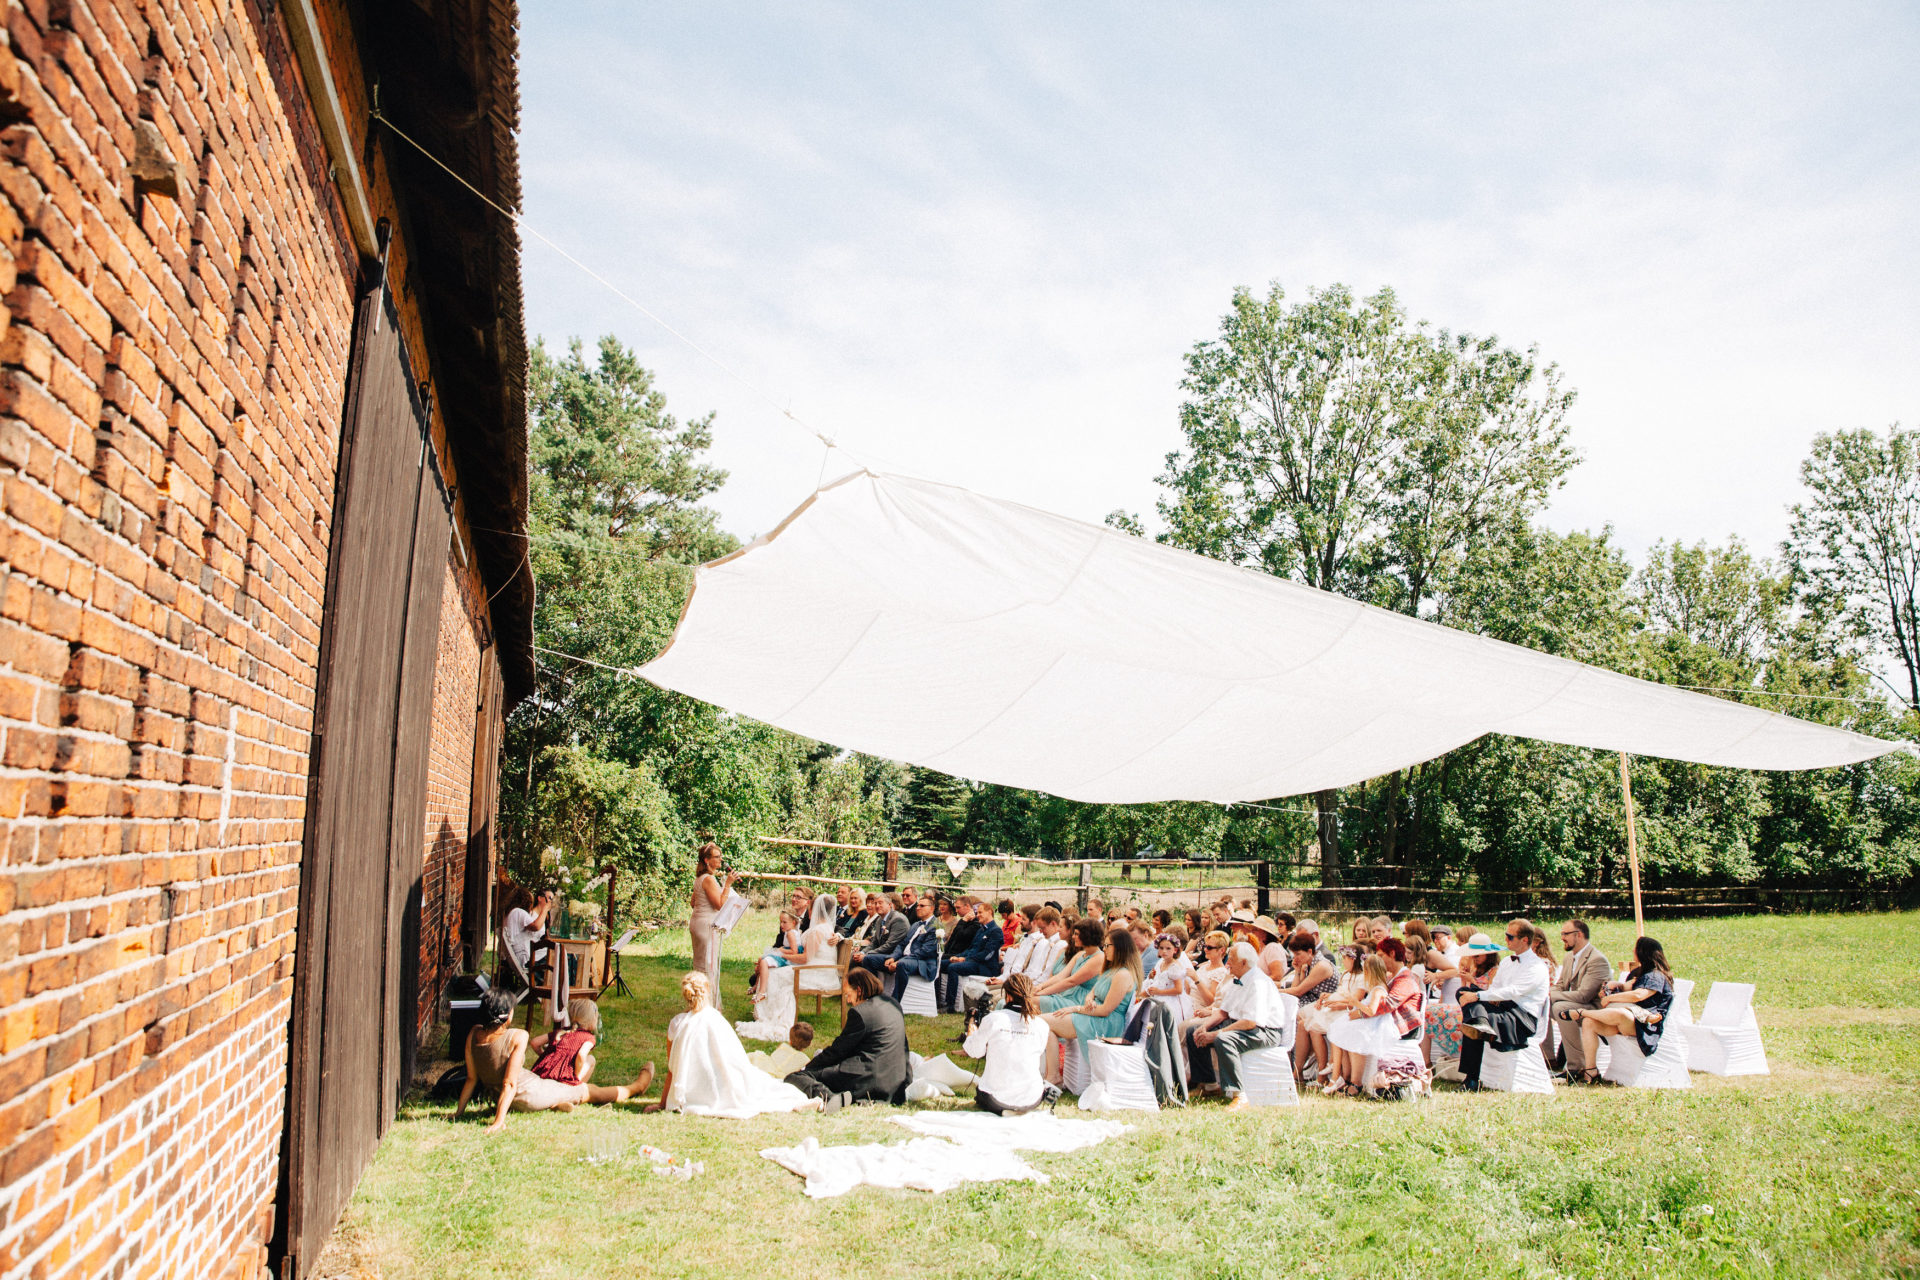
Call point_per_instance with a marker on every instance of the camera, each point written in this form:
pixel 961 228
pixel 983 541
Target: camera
pixel 978 1008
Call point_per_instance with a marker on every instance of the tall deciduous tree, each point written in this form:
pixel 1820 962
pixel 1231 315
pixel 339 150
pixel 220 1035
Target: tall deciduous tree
pixel 1853 544
pixel 1336 443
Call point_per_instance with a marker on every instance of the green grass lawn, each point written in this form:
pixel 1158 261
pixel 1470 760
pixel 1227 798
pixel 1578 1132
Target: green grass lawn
pixel 1813 1171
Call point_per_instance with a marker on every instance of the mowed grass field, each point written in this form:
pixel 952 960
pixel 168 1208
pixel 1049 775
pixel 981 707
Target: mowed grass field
pixel 1812 1171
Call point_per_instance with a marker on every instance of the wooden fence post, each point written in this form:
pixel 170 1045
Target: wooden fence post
pixel 892 873
pixel 1086 886
pixel 1262 877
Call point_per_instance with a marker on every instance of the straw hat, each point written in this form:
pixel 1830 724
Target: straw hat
pixel 1266 925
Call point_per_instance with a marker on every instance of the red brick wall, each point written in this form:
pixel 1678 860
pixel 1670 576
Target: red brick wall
pixel 456 683
pixel 171 376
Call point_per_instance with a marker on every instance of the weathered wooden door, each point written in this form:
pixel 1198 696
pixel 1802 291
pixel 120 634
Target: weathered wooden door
pixel 366 792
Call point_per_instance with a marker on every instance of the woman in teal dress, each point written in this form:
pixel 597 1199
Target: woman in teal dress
pixel 1075 974
pixel 1109 1000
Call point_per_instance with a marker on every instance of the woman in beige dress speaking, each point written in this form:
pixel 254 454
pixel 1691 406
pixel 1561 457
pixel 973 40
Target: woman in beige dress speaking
pixel 709 892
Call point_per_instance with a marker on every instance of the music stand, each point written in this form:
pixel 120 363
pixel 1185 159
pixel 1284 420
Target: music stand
pixel 615 981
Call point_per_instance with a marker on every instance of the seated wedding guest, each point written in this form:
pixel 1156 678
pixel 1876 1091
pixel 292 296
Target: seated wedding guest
pixel 708 1073
pixel 1506 1015
pixel 1312 929
pixel 916 956
pixel 1162 921
pixel 1264 933
pixel 1096 911
pixel 1171 981
pixel 784 951
pixel 1037 951
pixel 1013 1041
pixel 1108 1001
pixel 1639 1005
pixel 1286 923
pixel 1251 1016
pixel 1010 922
pixel 909 900
pixel 851 916
pixel 776 997
pixel 1415 927
pixel 494 1052
pixel 1582 978
pixel 1076 969
pixel 789 1057
pixel 1332 1007
pixel 1131 915
pixel 981 960
pixel 884 930
pixel 1142 934
pixel 1309 978
pixel 867 1061
pixel 1386 1015
pixel 1196 936
pixel 956 917
pixel 1472 972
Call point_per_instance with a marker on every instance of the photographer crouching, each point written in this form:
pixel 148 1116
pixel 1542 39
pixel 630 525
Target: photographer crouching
pixel 1013 1041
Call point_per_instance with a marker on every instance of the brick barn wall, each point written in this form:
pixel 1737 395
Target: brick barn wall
pixel 456 683
pixel 171 380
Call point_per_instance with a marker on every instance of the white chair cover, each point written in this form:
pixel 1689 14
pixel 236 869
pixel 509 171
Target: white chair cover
pixel 1407 1051
pixel 1726 1040
pixel 918 998
pixel 1074 1076
pixel 1522 1070
pixel 1266 1078
pixel 1121 1071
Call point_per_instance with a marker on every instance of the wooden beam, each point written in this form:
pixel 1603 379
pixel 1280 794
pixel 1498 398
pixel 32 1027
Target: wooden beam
pixel 1633 850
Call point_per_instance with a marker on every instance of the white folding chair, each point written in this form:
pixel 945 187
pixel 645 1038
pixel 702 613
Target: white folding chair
pixel 1523 1070
pixel 1726 1040
pixel 1121 1071
pixel 1266 1075
pixel 918 998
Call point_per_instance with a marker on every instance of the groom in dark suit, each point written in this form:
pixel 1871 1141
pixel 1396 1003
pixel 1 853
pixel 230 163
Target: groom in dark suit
pixel 867 1061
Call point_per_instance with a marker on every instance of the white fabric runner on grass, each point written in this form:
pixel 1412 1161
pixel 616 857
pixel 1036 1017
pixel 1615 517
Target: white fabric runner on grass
pixel 982 1150
pixel 993 641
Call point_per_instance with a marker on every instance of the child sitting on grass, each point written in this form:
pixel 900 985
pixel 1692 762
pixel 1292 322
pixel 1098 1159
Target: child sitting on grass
pixel 789 1057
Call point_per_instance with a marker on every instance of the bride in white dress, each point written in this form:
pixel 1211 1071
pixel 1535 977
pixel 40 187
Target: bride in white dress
pixel 707 1071
pixel 774 1007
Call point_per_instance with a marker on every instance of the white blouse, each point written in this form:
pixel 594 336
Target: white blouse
pixel 1013 1047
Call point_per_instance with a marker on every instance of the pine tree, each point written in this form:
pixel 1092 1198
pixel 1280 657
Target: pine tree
pixel 935 813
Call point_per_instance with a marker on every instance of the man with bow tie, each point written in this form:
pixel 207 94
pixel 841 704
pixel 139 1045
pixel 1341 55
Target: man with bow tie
pixel 1250 1014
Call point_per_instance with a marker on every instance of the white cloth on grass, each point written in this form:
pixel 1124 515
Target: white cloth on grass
pixel 1034 1131
pixel 711 1074
pixel 959 1147
pixel 928 624
pixel 921 1164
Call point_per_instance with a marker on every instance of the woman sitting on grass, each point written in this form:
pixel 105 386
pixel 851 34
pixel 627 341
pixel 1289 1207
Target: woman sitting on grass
pixel 493 1055
pixel 707 1070
pixel 1638 1006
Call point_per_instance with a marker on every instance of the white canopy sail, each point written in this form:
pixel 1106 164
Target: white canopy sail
pixel 925 623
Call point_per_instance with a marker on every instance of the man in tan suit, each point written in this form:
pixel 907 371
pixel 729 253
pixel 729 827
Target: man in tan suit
pixel 1577 986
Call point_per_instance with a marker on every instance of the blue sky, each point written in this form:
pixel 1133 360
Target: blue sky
pixel 972 242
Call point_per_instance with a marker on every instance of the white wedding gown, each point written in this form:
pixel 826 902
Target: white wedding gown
pixel 711 1074
pixel 774 1012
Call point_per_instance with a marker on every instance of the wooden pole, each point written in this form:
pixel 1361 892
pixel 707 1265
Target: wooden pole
pixel 1633 850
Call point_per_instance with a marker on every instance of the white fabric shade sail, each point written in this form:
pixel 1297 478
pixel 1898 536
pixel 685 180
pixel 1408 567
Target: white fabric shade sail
pixel 925 623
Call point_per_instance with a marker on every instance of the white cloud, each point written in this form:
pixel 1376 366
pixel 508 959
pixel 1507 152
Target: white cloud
pixel 976 243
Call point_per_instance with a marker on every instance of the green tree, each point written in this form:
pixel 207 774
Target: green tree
pixel 1854 543
pixel 934 815
pixel 1336 443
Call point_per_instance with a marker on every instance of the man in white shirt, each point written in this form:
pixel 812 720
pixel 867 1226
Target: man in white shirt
pixel 1254 1017
pixel 1508 1012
